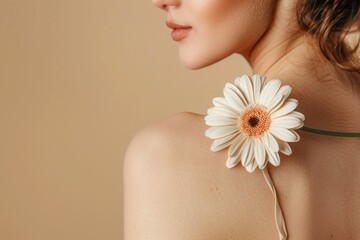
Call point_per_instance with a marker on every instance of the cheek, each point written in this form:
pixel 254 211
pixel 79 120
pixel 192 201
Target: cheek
pixel 209 13
pixel 220 28
pixel 232 22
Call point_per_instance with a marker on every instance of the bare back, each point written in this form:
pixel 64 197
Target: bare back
pixel 317 187
pixel 188 193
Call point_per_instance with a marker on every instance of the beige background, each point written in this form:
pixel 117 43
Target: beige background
pixel 78 78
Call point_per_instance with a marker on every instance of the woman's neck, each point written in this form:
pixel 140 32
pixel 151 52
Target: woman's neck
pixel 329 97
pixel 284 46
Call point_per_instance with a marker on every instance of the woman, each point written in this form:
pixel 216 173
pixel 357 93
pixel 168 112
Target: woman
pixel 176 188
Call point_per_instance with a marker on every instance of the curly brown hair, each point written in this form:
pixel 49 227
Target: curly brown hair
pixel 329 22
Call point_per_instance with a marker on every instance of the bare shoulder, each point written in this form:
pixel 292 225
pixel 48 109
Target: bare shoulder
pixel 164 142
pixel 176 188
pixel 175 133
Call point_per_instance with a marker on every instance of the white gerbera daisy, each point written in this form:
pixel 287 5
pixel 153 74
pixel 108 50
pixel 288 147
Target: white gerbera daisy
pixel 256 120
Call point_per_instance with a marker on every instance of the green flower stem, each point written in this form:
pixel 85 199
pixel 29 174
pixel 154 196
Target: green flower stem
pixel 330 133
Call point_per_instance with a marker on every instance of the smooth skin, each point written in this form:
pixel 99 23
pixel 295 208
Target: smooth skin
pixel 176 188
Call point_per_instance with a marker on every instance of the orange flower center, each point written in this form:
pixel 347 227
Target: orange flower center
pixel 254 121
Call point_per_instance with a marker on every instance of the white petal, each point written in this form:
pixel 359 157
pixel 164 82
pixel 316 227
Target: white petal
pixel 257 80
pixel 251 166
pixel 260 153
pixel 285 91
pixel 296 134
pixel 219 132
pixel 221 102
pixel 245 85
pixel 296 114
pixel 275 101
pixel 245 150
pixel 232 161
pixel 221 111
pixel 219 121
pixel 222 143
pixel 283 134
pixel 289 105
pixel 300 126
pixel 233 100
pixel 238 93
pixel 286 122
pixel 263 83
pixel 273 157
pixel 272 143
pixel 247 154
pixel 277 106
pixel 236 147
pixel 265 138
pixel 269 91
pixel 285 148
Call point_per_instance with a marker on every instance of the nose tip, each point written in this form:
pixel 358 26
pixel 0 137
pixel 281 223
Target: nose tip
pixel 158 3
pixel 163 4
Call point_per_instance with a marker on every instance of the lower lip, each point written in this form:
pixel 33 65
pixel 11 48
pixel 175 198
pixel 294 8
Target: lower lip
pixel 179 33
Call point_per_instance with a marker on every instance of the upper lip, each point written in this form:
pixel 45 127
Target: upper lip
pixel 173 25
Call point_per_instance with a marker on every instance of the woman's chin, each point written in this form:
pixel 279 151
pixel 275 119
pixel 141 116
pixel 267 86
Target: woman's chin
pixel 193 65
pixel 196 56
pixel 195 62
